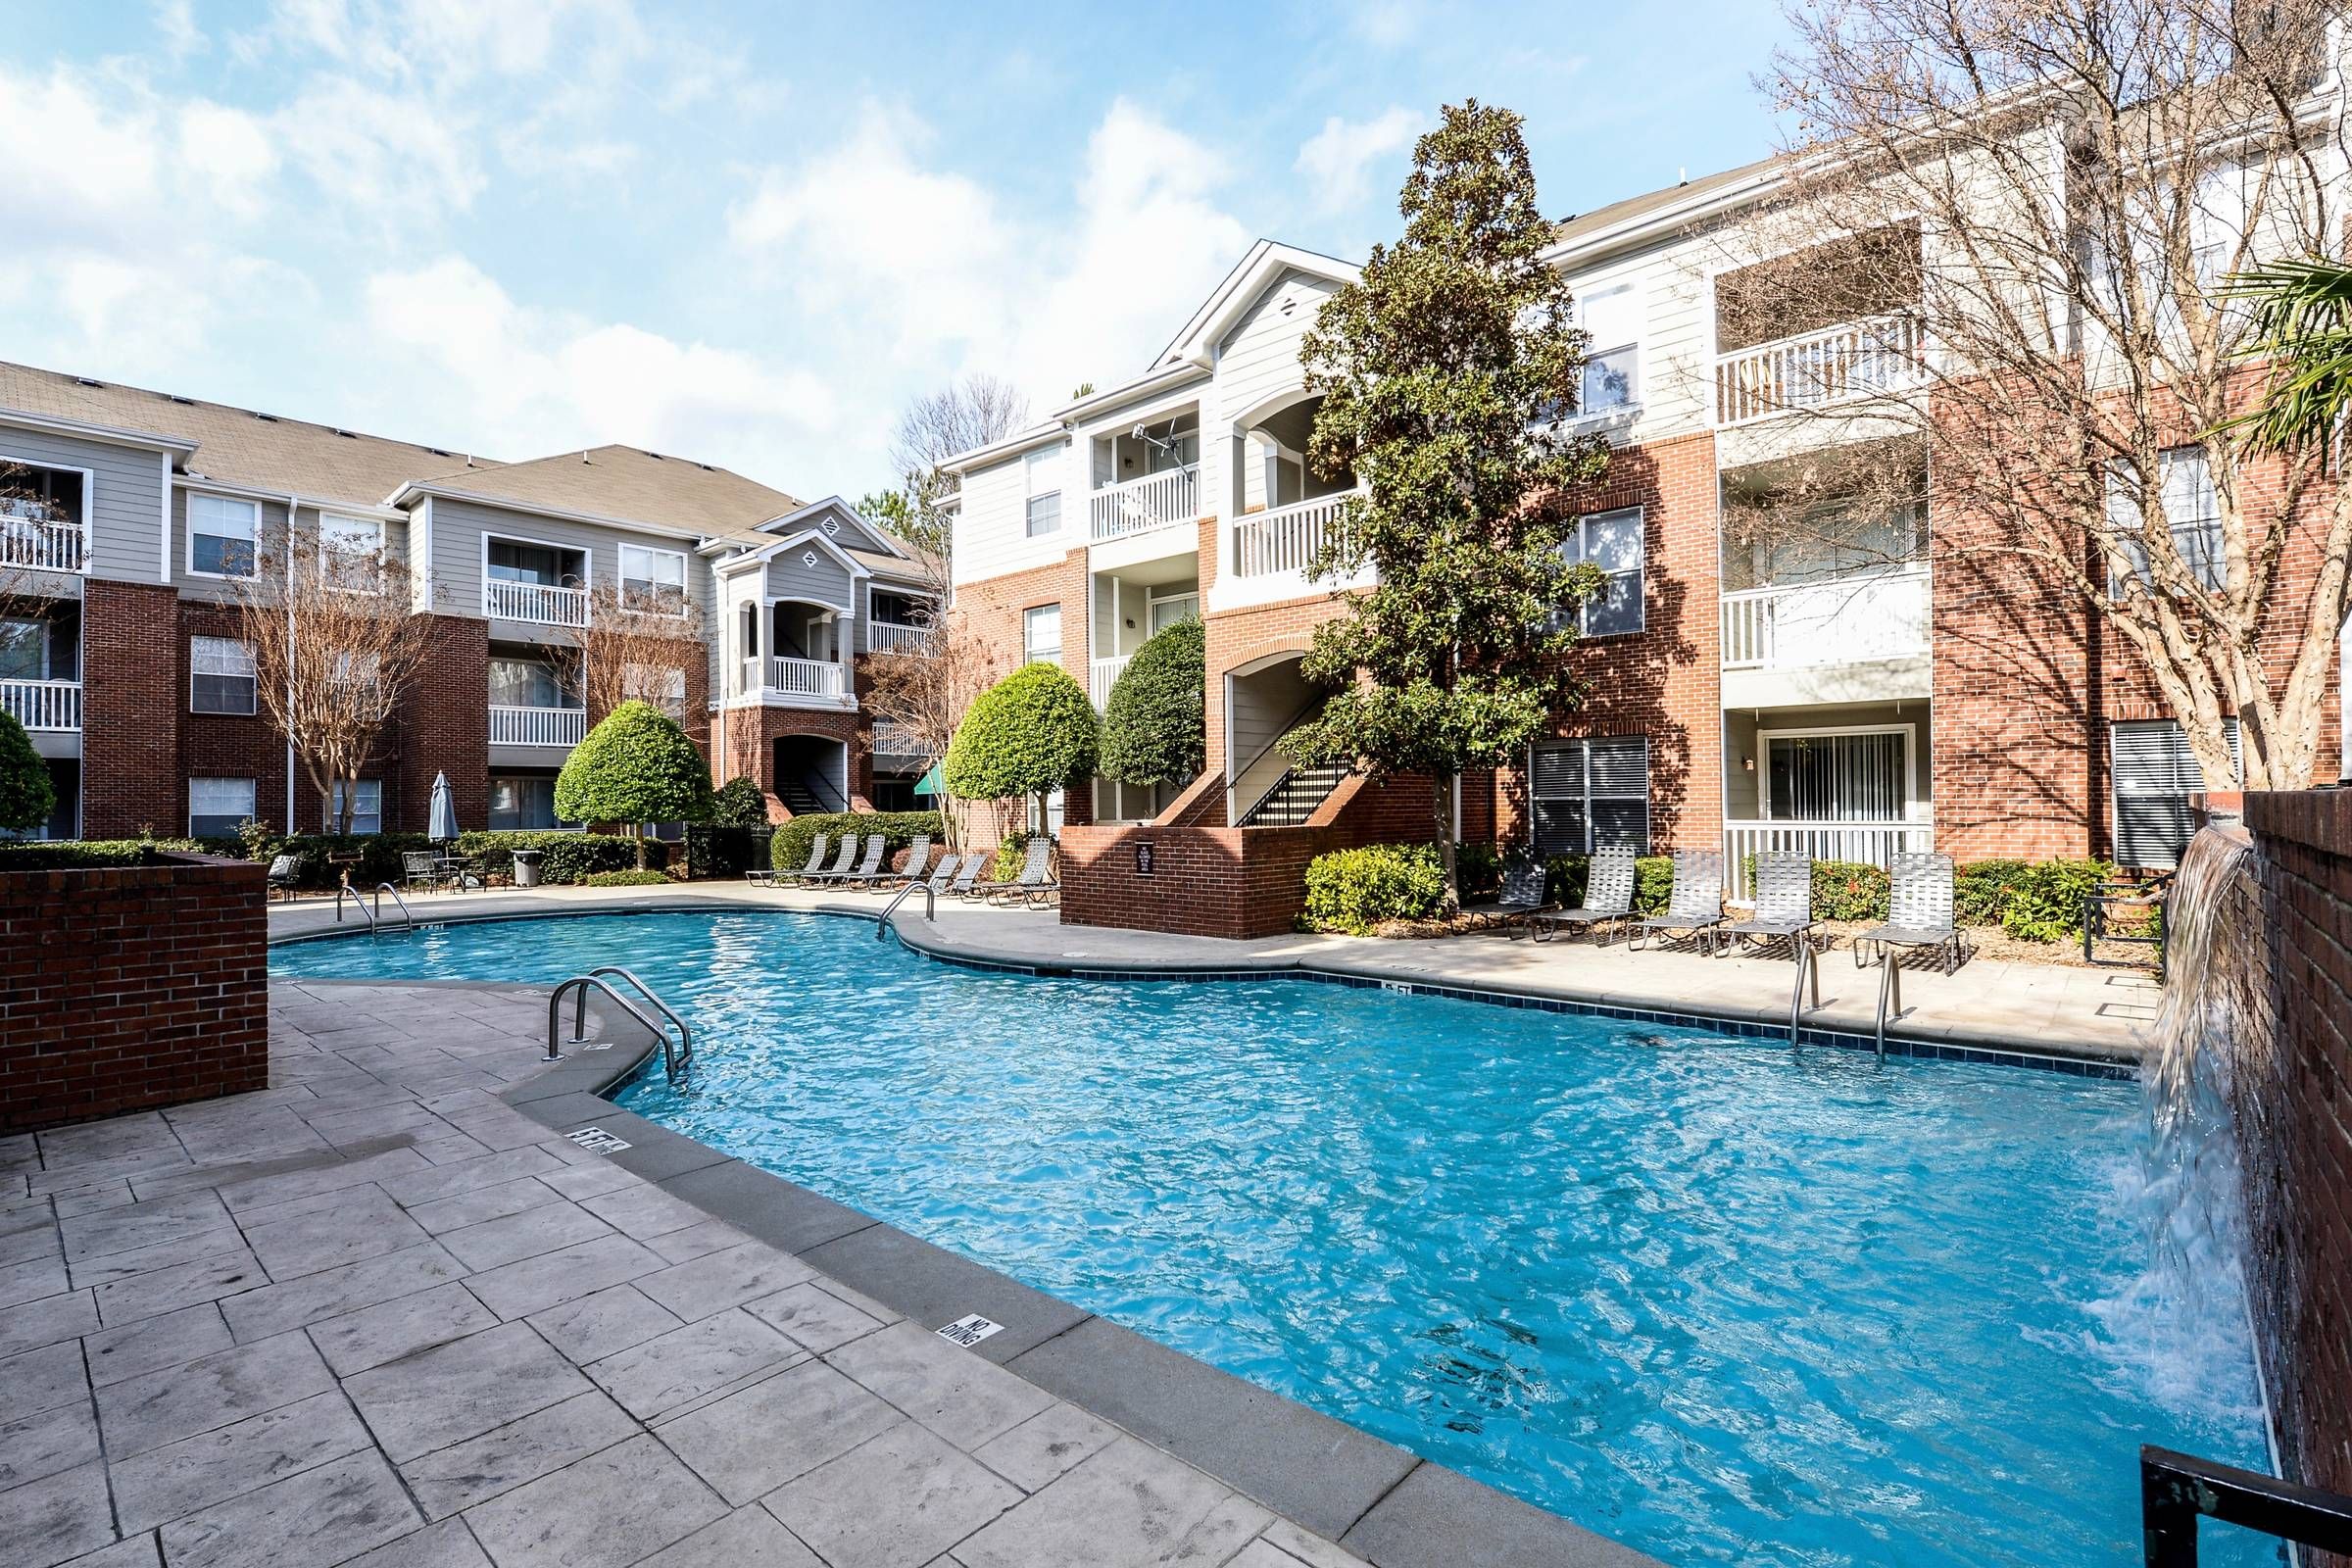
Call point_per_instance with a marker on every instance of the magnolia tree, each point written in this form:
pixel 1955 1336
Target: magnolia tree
pixel 335 645
pixel 2036 208
pixel 1439 371
pixel 1032 733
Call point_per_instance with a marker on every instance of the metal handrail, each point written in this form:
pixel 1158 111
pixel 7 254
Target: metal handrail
pixel 1808 967
pixel 1280 735
pixel 358 902
pixel 408 918
pixel 581 983
pixel 2175 1488
pixel 883 928
pixel 685 1053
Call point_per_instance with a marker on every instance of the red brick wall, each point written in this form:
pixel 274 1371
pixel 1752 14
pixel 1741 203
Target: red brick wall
pixel 444 728
pixel 124 990
pixel 991 610
pixel 229 745
pixel 2294 1095
pixel 130 714
pixel 752 734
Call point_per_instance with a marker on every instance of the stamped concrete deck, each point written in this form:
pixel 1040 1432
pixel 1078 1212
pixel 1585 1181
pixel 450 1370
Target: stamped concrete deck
pixel 383 1313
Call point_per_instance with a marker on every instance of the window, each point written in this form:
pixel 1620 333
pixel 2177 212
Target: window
pixel 2192 514
pixel 509 561
pixel 221 678
pixel 652 580
pixel 1041 634
pixel 24 650
pixel 522 801
pixel 367 807
pixel 1613 358
pixel 1844 776
pixel 1611 541
pixel 525 683
pixel 356 668
pixel 1041 471
pixel 1590 794
pixel 219 806
pixel 222 535
pixel 351 553
pixel 665 689
pixel 2155 774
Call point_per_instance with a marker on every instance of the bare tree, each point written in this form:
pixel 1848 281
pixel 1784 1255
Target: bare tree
pixel 924 690
pixel 2032 211
pixel 971 413
pixel 334 644
pixel 638 647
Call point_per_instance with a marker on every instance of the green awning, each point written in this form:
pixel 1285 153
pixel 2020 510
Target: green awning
pixel 929 783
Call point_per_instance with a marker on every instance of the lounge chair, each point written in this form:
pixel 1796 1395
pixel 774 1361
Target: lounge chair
pixel 1608 896
pixel 1919 915
pixel 816 862
pixel 1784 901
pixel 942 875
pixel 973 865
pixel 1521 896
pixel 877 846
pixel 1035 884
pixel 285 870
pixel 918 857
pixel 840 866
pixel 1695 905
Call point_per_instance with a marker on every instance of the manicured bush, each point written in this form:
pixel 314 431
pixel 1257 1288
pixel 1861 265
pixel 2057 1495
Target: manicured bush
pixel 98 854
pixel 1842 890
pixel 1153 723
pixel 27 795
pixel 1565 876
pixel 1028 735
pixel 789 850
pixel 2038 901
pixel 565 856
pixel 739 803
pixel 1355 890
pixel 636 767
pixel 624 879
pixel 715 849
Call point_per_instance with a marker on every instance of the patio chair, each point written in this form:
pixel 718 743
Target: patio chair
pixel 1919 917
pixel 918 857
pixel 1036 884
pixel 840 866
pixel 877 846
pixel 1608 896
pixel 973 865
pixel 1520 898
pixel 1784 901
pixel 1695 905
pixel 422 868
pixel 942 875
pixel 285 870
pixel 816 862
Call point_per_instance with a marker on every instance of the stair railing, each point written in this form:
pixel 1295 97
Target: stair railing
pixel 1313 706
pixel 2176 1489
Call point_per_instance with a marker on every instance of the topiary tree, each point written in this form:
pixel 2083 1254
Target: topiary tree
pixel 27 797
pixel 1154 728
pixel 1028 735
pixel 637 767
pixel 739 803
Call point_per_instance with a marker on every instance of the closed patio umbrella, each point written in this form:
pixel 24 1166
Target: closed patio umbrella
pixel 443 823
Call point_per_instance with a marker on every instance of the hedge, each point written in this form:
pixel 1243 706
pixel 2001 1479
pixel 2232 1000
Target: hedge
pixel 89 854
pixel 1355 890
pixel 720 851
pixel 2040 901
pixel 624 879
pixel 566 858
pixel 1565 875
pixel 1842 890
pixel 788 852
pixel 739 803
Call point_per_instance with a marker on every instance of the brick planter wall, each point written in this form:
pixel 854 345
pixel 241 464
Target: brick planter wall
pixel 2295 1105
pixel 128 989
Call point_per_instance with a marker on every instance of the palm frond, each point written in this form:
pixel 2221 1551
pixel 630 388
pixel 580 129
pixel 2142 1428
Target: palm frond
pixel 2302 319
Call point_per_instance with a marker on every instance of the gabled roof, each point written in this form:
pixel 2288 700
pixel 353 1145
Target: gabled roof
pixel 234 446
pixel 1257 272
pixel 833 508
pixel 840 528
pixel 805 538
pixel 615 484
pixel 1672 206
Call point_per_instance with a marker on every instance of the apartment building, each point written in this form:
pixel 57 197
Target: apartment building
pixel 128 519
pixel 1841 699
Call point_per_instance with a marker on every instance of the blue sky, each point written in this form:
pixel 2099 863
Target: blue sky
pixel 518 227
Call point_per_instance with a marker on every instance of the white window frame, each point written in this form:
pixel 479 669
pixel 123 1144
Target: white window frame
pixel 251 805
pixel 41 640
pixel 367 803
pixel 1029 653
pixel 89 482
pixel 678 556
pixel 1032 462
pixel 1640 573
pixel 2124 517
pixel 329 552
pixel 249 673
pixel 1765 737
pixel 189 511
pixel 635 684
pixel 1534 824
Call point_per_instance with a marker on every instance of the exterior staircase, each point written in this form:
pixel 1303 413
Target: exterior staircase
pixel 799 799
pixel 1293 797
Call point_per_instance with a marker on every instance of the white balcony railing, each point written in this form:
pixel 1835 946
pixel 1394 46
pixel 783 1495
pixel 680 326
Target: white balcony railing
pixel 1287 538
pixel 534 602
pixel 42 703
pixel 1138 506
pixel 807 677
pixel 895 740
pixel 537 726
pixel 1874 357
pixel 892 637
pixel 1845 621
pixel 1866 843
pixel 35 545
pixel 1101 675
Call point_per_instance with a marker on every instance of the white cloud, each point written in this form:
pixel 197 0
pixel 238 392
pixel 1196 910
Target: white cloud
pixel 231 154
pixel 1386 24
pixel 396 157
pixel 1338 160
pixel 176 25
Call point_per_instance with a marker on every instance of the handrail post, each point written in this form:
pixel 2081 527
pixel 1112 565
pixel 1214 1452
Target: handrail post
pixel 555 1016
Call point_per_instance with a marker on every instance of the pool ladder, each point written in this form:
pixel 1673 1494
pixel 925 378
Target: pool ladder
pixel 884 930
pixel 374 917
pixel 676 1056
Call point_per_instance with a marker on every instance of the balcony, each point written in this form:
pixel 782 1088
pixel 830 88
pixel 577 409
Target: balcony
pixel 541 603
pixel 797 682
pixel 895 741
pixel 1101 675
pixel 1286 539
pixel 1863 843
pixel 1162 500
pixel 32 544
pixel 43 704
pixel 894 637
pixel 1843 621
pixel 537 726
pixel 1875 357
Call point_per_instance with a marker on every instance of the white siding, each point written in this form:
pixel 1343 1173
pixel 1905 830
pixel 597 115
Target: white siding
pixel 991 537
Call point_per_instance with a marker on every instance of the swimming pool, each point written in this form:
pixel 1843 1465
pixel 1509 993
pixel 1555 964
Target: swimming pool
pixel 1718 1298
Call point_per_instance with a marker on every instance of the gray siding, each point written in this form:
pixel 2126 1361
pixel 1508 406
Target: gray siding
pixel 192 586
pixel 828 582
pixel 459 528
pixel 126 497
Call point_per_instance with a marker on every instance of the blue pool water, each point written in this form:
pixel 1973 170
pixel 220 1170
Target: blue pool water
pixel 1721 1299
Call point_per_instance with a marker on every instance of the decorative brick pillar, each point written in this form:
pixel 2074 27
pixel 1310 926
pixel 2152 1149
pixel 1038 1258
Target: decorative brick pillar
pixel 444 728
pixel 131 708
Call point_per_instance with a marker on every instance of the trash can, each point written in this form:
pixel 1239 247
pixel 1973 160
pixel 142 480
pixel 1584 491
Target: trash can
pixel 526 867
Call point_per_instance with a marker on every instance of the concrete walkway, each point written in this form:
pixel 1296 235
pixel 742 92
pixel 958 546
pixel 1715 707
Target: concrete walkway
pixel 2050 1009
pixel 377 1315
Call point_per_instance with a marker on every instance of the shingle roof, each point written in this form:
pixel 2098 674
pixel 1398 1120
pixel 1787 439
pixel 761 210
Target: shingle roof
pixel 626 485
pixel 1632 207
pixel 237 446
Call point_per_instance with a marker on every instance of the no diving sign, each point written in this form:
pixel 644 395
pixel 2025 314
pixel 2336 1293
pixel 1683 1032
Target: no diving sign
pixel 968 1330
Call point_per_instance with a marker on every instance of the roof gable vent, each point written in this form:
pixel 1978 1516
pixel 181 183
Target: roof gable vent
pixel 185 403
pixel 84 380
pixel 347 436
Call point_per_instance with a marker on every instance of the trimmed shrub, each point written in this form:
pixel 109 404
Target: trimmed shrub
pixel 637 765
pixel 717 849
pixel 1842 890
pixel 1030 734
pixel 1355 890
pixel 565 858
pixel 624 879
pixel 98 854
pixel 1565 876
pixel 2040 901
pixel 27 795
pixel 1154 722
pixel 739 803
pixel 378 856
pixel 789 850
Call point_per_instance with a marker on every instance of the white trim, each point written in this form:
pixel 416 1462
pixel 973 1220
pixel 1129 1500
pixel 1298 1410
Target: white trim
pixel 621 548
pixel 253 675
pixel 228 487
pixel 1264 263
pixel 1908 731
pixel 768 551
pixel 162 558
pixel 834 503
pixel 252 811
pixel 424 491
pixel 89 496
pixel 420 548
pixel 188 497
pixel 148 440
pixel 587 582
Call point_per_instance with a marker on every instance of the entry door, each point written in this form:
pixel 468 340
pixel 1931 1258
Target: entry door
pixel 1859 777
pixel 1166 612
